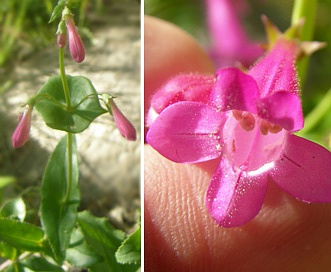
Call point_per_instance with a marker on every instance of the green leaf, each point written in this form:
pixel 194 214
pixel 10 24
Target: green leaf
pixel 7 251
pixel 21 235
pixel 40 264
pixel 85 106
pixel 129 251
pixel 57 11
pixel 80 254
pixel 104 239
pixel 14 209
pixel 58 206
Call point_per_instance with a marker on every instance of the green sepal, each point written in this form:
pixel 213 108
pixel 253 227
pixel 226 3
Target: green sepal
pixel 57 11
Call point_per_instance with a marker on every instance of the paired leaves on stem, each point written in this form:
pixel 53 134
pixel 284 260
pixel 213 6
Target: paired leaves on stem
pixel 85 106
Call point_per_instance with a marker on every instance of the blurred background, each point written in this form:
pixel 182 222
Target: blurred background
pixel 191 16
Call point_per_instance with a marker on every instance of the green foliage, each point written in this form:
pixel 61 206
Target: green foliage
pixel 79 253
pixel 130 250
pixel 14 209
pixel 60 197
pixel 39 264
pixel 85 106
pixel 21 235
pixel 70 104
pixel 105 240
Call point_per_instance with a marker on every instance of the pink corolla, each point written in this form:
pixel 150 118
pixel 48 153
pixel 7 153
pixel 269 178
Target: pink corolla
pixel 22 131
pixel 230 43
pixel 125 127
pixel 76 45
pixel 247 123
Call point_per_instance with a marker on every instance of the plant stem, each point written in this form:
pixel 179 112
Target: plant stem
pixel 64 78
pixel 69 135
pixel 304 9
pixel 69 166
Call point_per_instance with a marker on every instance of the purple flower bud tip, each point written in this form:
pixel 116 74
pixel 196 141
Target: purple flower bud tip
pixel 76 45
pixel 21 133
pixel 126 129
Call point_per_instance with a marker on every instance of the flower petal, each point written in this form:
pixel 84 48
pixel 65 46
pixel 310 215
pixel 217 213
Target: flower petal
pixel 235 197
pixel 304 170
pixel 276 71
pixel 234 90
pixel 187 132
pixel 191 87
pixel 282 108
pixel 223 21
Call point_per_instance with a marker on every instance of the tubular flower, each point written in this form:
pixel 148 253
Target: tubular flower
pixel 76 46
pixel 21 133
pixel 126 129
pixel 248 123
pixel 230 43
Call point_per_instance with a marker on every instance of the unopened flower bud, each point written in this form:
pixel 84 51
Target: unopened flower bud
pixel 21 133
pixel 76 45
pixel 126 129
pixel 62 40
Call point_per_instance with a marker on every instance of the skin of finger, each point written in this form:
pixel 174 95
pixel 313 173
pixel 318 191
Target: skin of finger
pixel 287 235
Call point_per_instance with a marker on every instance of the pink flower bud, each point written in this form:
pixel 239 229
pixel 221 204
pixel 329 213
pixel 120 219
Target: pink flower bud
pixel 21 133
pixel 76 45
pixel 61 40
pixel 126 129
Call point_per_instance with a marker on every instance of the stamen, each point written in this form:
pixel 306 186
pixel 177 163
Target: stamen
pixel 246 119
pixel 266 127
pixel 275 128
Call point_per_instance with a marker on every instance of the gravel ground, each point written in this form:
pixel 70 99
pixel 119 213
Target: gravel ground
pixel 110 165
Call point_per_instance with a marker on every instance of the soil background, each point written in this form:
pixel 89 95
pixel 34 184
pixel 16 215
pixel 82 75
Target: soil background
pixel 109 165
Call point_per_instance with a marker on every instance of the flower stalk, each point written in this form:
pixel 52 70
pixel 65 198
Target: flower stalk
pixel 69 135
pixel 307 10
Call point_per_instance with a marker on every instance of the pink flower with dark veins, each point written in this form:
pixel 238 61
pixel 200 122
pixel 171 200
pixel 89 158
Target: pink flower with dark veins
pixel 248 124
pixel 76 46
pixel 230 43
pixel 22 131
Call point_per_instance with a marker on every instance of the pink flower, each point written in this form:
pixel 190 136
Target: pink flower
pixel 230 44
pixel 126 129
pixel 192 87
pixel 21 133
pixel 76 45
pixel 248 123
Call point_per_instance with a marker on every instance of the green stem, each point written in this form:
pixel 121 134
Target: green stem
pixel 64 78
pixel 69 166
pixel 317 114
pixel 69 135
pixel 304 9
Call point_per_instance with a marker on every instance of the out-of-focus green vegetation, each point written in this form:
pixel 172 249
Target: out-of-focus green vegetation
pixel 190 15
pixel 24 26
